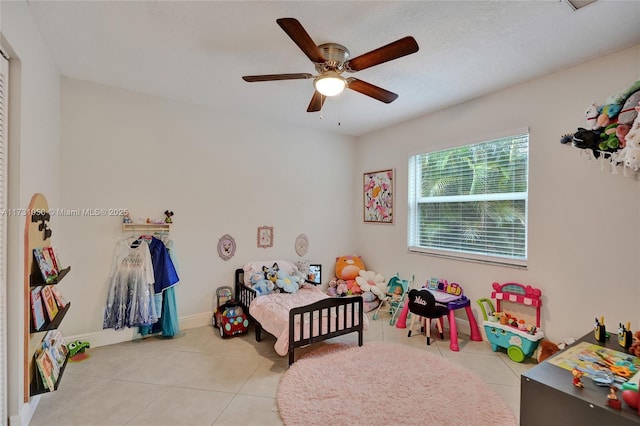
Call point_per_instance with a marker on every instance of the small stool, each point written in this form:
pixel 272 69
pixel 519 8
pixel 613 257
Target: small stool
pixel 423 304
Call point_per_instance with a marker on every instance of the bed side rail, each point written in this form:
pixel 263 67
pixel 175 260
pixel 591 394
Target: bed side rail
pixel 324 320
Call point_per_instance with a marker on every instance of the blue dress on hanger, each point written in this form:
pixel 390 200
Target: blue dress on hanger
pixel 165 278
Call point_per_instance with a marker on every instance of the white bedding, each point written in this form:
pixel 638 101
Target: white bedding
pixel 272 312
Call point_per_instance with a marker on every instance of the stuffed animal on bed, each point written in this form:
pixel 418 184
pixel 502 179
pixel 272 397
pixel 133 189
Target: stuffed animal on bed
pixel 286 282
pixel 261 285
pixel 271 273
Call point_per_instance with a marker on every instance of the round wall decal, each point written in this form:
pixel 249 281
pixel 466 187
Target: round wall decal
pixel 302 245
pixel 226 247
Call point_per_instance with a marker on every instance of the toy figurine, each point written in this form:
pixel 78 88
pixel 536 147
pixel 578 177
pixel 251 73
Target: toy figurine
pixel 599 330
pixel 625 337
pixel 577 375
pixel 168 214
pixel 612 398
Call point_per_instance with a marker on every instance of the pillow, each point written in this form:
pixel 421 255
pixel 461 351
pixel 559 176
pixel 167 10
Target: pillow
pixel 252 267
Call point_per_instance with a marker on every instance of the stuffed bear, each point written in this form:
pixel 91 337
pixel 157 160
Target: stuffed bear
pixel 591 115
pixel 286 282
pixel 341 288
pixel 347 267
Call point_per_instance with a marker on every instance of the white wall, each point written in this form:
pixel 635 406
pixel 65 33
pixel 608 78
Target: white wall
pixel 34 162
pixel 219 174
pixel 583 223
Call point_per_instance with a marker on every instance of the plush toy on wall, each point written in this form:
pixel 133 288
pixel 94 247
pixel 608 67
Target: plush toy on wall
pixel 591 115
pixel 629 156
pixel 347 267
pixel 607 115
pixel 610 141
pixel 587 139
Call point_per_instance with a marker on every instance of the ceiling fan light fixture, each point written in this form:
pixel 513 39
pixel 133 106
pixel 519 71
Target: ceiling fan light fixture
pixel 330 83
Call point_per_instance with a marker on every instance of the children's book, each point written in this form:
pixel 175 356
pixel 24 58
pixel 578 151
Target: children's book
pixel 48 371
pixel 57 294
pixel 37 310
pixel 59 262
pixel 49 302
pixel 54 260
pixel 43 258
pixel 55 344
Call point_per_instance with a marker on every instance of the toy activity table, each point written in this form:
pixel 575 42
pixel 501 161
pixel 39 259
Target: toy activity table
pixel 453 302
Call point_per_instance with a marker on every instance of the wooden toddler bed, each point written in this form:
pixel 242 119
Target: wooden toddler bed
pixel 294 321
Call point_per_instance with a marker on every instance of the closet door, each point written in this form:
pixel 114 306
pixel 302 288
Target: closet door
pixel 4 84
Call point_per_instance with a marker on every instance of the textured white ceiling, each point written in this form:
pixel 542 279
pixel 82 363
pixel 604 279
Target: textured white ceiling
pixel 197 51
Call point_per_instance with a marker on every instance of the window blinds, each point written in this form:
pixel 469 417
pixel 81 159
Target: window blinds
pixel 471 201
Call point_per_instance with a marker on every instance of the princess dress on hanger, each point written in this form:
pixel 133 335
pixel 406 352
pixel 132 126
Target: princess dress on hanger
pixel 166 278
pixel 130 302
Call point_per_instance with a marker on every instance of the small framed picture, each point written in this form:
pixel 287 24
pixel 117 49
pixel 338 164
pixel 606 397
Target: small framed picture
pixel 226 247
pixel 315 274
pixel 265 236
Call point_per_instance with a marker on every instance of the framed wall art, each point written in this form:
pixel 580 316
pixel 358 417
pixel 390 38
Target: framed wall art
pixel 302 245
pixel 265 236
pixel 226 247
pixel 378 196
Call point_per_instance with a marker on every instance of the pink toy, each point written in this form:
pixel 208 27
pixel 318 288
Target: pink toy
pixel 452 296
pixel 518 343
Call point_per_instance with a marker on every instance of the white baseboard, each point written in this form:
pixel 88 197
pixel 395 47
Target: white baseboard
pixel 110 336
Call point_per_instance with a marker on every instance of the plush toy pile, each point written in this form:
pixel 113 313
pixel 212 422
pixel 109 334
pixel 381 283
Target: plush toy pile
pixel 352 278
pixel 612 130
pixel 273 279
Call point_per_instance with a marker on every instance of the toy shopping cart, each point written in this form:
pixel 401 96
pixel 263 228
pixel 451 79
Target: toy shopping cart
pixel 395 298
pixel 503 329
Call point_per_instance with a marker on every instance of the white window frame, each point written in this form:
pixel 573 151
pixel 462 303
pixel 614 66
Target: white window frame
pixel 4 100
pixel 415 200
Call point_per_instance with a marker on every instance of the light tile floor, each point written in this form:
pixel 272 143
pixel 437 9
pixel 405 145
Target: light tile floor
pixel 200 379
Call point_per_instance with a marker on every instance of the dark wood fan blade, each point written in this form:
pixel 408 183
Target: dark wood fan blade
pixel 397 49
pixel 370 90
pixel 316 102
pixel 299 35
pixel 272 77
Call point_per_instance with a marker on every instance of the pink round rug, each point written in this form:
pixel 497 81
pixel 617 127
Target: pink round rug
pixel 383 383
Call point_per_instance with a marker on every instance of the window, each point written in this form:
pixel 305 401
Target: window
pixel 470 202
pixel 4 70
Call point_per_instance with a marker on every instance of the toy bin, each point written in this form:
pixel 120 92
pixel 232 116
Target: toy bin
pixel 504 331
